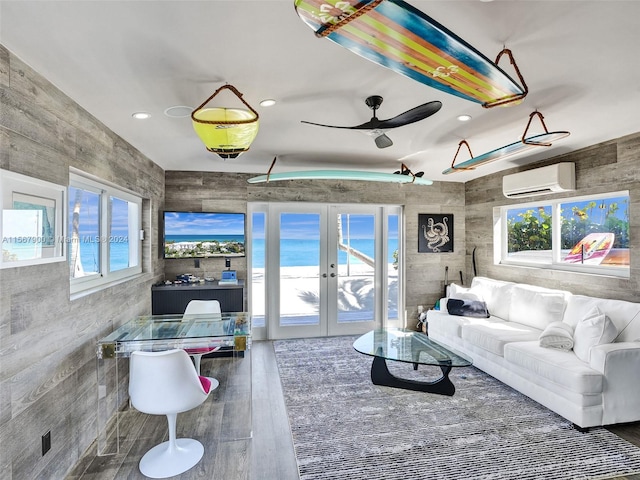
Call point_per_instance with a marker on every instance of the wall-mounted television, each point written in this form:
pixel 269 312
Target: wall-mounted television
pixel 203 234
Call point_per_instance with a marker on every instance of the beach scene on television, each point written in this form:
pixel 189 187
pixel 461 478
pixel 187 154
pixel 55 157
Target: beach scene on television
pixel 201 235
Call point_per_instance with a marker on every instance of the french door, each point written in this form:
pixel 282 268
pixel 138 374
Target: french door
pixel 324 269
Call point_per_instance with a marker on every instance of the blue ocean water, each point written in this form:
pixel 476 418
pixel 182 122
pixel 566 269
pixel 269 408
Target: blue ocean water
pixel 293 252
pixel 301 253
pixel 89 254
pixel 205 238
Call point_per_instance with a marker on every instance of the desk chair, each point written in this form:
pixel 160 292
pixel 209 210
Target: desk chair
pixel 195 307
pixel 165 383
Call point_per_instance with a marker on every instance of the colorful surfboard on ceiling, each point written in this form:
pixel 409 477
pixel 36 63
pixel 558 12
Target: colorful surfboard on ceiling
pixel 396 35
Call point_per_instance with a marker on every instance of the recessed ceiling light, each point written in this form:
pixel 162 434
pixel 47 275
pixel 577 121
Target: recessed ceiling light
pixel 464 118
pixel 269 102
pixel 141 115
pixel 179 111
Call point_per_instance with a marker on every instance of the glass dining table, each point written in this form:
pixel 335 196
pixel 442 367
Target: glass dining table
pixel 231 332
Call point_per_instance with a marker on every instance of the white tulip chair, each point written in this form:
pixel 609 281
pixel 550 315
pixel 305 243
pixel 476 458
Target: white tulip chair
pixel 198 307
pixel 165 383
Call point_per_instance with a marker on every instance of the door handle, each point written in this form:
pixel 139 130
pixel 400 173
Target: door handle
pixel 324 275
pixel 332 275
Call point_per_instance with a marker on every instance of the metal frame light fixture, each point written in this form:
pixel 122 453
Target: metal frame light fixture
pixel 226 131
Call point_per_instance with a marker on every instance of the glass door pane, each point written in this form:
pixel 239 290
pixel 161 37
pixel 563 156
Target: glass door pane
pixel 356 267
pixel 353 299
pixel 300 269
pixel 258 264
pixel 393 257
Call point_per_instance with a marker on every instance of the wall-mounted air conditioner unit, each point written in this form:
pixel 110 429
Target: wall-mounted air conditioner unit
pixel 560 177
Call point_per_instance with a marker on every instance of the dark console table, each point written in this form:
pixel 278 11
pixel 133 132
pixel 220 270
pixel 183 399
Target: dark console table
pixel 167 299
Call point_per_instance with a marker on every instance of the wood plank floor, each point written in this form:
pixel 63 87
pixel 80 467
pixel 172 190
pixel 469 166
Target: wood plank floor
pixel 268 455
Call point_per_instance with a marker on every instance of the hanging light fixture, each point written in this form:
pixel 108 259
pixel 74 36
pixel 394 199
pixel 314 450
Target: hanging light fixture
pixel 226 131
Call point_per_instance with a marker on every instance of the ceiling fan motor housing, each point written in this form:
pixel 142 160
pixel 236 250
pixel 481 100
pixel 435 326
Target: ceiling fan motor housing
pixel 374 102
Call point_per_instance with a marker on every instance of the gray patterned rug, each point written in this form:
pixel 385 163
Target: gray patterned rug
pixel 346 428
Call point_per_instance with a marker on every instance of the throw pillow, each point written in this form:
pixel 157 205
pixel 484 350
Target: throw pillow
pixel 457 291
pixel 594 329
pixel 467 308
pixel 557 335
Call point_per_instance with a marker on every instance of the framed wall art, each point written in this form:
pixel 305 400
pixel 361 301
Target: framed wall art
pixel 435 233
pixel 31 221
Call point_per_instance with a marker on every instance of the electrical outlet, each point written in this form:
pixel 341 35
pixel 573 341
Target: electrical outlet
pixel 46 442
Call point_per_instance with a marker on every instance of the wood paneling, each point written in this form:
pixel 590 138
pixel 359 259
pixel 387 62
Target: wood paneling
pixel 198 191
pixel 607 167
pixel 47 341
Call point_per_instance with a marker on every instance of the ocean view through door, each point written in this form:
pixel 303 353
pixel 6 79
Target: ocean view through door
pixel 319 270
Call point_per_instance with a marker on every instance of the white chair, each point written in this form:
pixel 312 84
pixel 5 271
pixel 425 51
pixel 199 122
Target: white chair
pixel 195 307
pixel 165 383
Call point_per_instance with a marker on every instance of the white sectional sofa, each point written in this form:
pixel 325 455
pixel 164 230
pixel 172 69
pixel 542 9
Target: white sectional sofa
pixel 589 369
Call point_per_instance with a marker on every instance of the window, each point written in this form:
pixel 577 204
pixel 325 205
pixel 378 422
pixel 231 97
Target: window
pixel 583 234
pixel 104 225
pixel 258 264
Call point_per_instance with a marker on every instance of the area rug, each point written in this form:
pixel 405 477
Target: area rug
pixel 346 428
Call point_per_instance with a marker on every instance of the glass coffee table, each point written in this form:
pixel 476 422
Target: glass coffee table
pixel 402 345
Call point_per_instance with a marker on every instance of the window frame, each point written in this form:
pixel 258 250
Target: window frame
pixel 500 235
pixel 105 277
pixel 12 183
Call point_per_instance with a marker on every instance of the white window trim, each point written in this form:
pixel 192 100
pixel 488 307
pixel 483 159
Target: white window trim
pixel 500 254
pixel 12 183
pixel 106 278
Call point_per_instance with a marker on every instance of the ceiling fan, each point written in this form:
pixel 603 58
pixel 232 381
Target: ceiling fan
pixel 377 128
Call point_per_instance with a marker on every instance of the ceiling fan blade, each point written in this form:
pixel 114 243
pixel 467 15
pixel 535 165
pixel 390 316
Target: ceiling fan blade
pixel 382 141
pixel 323 125
pixel 376 127
pixel 370 125
pixel 410 116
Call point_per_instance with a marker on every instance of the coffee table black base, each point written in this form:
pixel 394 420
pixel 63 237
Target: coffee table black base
pixel 380 375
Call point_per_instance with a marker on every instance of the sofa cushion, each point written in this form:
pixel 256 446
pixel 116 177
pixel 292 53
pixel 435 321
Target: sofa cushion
pixel 494 335
pixel 625 315
pixel 557 366
pixel 594 329
pixel 440 321
pixel 535 306
pixel 451 325
pixel 496 294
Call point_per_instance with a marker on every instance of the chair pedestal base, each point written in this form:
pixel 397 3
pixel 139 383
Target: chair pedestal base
pixel 162 461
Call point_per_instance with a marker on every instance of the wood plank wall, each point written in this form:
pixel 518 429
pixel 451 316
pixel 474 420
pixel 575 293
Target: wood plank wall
pixel 201 191
pixel 47 341
pixel 607 167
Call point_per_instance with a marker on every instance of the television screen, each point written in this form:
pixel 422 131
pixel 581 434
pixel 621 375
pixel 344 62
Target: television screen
pixel 203 234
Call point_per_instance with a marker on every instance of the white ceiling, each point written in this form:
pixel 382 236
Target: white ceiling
pixel 578 58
